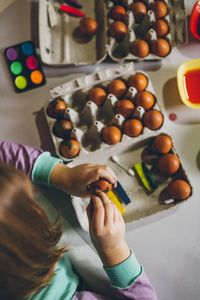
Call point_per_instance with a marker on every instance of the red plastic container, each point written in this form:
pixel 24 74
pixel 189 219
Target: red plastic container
pixel 195 20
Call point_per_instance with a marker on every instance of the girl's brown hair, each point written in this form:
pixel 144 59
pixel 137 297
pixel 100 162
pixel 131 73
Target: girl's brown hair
pixel 28 252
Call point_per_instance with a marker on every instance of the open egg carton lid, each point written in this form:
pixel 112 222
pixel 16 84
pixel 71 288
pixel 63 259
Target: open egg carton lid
pixel 89 120
pixel 130 150
pixel 63 44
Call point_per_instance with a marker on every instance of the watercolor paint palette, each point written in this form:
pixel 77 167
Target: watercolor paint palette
pixel 24 66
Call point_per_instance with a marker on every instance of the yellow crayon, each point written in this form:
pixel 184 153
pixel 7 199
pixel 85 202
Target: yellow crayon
pixel 114 199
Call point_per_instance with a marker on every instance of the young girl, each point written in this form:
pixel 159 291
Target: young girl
pixel 31 266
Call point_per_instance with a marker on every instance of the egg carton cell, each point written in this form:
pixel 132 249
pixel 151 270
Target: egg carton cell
pixel 124 32
pixel 72 113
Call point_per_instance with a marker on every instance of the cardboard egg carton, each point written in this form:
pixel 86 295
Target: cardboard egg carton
pixel 158 200
pixel 63 44
pixel 130 151
pixel 88 119
pixel 143 203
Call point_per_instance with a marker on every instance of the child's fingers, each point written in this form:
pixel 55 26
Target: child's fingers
pixel 98 212
pixel 90 210
pixel 112 213
pixel 104 198
pixel 108 208
pixel 108 174
pixel 117 216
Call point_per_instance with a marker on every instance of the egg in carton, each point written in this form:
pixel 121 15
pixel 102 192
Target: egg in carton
pixel 127 37
pixel 93 128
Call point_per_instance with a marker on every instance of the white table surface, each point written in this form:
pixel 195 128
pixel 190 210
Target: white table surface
pixel 166 244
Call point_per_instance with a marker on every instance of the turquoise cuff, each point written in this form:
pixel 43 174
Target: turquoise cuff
pixel 42 168
pixel 123 275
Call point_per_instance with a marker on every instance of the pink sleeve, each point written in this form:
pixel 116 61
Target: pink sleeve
pixel 140 290
pixel 20 156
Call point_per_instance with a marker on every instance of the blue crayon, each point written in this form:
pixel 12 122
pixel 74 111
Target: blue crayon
pixel 122 193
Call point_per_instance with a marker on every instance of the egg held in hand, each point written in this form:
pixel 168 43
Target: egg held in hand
pixel 102 185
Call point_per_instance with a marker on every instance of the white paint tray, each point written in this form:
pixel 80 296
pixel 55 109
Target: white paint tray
pixel 64 45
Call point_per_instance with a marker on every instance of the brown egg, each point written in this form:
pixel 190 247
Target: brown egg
pixel 153 119
pixel 132 127
pixel 111 135
pixel 161 27
pixel 62 128
pixel 139 11
pixel 101 185
pixel 140 48
pixel 69 148
pixel 168 163
pixel 144 99
pixel 88 26
pixel 178 189
pixel 138 81
pixel 124 107
pixel 97 95
pixel 117 87
pixel 160 47
pixel 118 12
pixel 162 144
pixel 118 30
pixel 56 108
pixel 160 9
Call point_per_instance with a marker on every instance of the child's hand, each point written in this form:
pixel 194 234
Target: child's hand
pixel 107 230
pixel 75 181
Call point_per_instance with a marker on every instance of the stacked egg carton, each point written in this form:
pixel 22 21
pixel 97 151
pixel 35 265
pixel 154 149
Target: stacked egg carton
pixel 89 120
pixel 161 28
pixel 64 44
